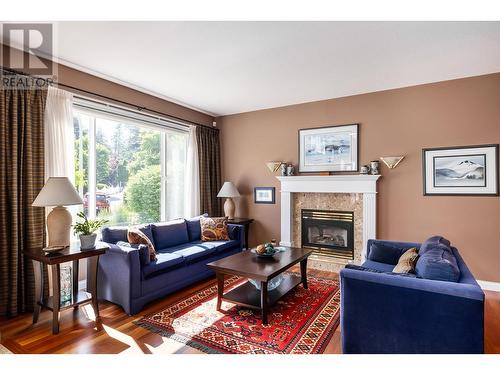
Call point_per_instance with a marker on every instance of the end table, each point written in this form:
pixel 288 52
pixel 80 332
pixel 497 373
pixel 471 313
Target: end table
pixel 73 254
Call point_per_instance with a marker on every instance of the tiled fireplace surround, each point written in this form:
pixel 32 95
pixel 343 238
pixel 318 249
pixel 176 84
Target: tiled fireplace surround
pixel 355 193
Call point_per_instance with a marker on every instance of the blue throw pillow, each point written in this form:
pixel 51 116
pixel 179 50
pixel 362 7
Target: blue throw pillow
pixel 194 228
pixel 146 229
pixel 438 263
pixel 432 242
pixel 114 234
pixel 386 253
pixel 233 231
pixel 170 233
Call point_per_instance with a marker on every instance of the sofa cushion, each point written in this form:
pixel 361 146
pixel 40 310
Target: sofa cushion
pixel 362 268
pixel 383 267
pixel 432 242
pixel 114 234
pixel 194 227
pixel 146 229
pixel 386 253
pixel 438 263
pixel 233 231
pixel 163 262
pixel 407 262
pixel 170 234
pixel 218 246
pixel 191 252
pixel 214 228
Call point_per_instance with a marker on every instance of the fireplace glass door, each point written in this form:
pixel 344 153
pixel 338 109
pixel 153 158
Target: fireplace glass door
pixel 329 233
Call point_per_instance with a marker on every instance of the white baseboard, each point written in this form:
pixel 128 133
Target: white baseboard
pixel 489 285
pixel 82 285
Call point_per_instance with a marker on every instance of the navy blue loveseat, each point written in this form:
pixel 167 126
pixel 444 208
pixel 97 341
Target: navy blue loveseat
pixel 386 313
pixel 128 278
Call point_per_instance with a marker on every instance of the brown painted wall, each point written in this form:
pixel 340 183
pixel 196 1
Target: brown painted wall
pixel 393 122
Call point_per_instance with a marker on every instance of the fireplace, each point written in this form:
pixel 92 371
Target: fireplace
pixel 329 233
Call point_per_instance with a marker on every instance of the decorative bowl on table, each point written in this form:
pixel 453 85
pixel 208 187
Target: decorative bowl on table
pixel 265 251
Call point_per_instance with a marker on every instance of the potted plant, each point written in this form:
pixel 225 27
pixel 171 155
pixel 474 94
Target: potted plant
pixel 87 229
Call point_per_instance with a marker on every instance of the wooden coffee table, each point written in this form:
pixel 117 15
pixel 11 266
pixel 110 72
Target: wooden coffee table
pixel 247 264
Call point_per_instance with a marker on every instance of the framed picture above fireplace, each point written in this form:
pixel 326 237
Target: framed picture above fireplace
pixel 464 170
pixel 329 149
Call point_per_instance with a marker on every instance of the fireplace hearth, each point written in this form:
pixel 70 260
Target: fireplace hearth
pixel 329 233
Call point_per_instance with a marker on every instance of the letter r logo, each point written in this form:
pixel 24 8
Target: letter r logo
pixel 32 41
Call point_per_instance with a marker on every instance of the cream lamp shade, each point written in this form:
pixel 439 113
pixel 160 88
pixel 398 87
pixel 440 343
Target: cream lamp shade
pixel 229 191
pixel 58 192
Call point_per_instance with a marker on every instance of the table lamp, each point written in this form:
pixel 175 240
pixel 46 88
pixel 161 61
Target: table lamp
pixel 58 192
pixel 228 191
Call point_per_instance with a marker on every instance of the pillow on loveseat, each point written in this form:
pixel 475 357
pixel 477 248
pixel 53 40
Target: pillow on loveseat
pixel 386 253
pixel 214 229
pixel 437 261
pixel 407 262
pixel 194 227
pixel 136 237
pixel 432 242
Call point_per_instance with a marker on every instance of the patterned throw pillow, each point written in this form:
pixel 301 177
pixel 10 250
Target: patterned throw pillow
pixel 214 228
pixel 407 262
pixel 136 237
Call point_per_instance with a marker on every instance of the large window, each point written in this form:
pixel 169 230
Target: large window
pixel 127 170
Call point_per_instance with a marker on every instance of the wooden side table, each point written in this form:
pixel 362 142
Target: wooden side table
pixel 246 223
pixel 53 261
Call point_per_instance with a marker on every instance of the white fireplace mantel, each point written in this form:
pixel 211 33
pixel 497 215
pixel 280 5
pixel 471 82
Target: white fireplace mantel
pixel 361 184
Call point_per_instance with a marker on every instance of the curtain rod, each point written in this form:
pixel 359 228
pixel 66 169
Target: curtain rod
pixel 138 108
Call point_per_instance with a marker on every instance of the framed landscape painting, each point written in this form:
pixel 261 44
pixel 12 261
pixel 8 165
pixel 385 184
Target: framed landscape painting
pixel 329 149
pixel 466 170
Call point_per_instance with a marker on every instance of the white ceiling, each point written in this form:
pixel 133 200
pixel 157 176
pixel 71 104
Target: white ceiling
pixel 230 67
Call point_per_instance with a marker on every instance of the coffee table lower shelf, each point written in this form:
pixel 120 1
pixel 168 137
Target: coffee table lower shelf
pixel 249 296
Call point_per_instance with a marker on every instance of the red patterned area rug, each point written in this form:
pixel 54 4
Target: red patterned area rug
pixel 302 322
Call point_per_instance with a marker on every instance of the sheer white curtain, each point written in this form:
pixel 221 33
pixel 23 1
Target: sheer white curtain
pixel 59 136
pixel 59 139
pixel 192 177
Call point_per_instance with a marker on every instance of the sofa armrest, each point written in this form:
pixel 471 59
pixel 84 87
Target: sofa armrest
pixel 237 232
pixel 383 313
pixel 119 275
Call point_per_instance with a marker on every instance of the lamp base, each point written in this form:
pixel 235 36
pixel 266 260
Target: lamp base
pixel 229 208
pixel 59 227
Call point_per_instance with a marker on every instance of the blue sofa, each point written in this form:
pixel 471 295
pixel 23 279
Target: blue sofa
pixel 386 313
pixel 127 277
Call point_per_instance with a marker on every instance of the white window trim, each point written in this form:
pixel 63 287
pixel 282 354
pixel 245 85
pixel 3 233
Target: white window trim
pixel 104 110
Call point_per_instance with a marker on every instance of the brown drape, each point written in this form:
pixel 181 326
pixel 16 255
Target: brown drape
pixel 210 172
pixel 21 178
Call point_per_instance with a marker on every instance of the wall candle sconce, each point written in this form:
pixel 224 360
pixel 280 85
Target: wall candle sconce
pixel 392 161
pixel 274 166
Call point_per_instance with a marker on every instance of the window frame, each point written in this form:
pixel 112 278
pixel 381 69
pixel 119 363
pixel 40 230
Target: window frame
pixel 96 109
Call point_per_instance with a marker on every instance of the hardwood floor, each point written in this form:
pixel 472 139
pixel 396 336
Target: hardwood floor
pixel 116 333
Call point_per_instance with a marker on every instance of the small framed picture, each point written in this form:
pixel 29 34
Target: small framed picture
pixel 264 195
pixel 329 149
pixel 465 170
